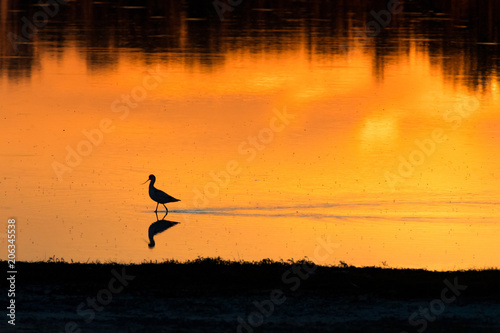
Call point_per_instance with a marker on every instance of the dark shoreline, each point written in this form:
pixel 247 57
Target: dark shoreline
pixel 211 294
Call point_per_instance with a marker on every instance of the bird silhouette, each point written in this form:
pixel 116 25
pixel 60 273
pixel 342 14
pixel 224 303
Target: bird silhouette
pixel 158 227
pixel 159 196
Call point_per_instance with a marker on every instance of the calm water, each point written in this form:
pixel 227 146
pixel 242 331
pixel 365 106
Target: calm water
pixel 281 125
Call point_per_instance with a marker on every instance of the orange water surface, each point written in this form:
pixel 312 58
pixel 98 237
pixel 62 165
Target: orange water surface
pixel 279 132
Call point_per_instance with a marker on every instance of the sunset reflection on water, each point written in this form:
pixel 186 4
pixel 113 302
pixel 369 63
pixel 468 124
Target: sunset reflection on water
pixel 390 148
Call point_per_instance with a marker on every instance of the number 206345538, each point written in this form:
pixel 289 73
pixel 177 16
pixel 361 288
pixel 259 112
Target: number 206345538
pixel 11 240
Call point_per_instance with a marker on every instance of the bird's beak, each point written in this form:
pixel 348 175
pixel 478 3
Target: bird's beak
pixel 145 182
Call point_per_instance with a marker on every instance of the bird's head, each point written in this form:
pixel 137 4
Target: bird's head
pixel 151 178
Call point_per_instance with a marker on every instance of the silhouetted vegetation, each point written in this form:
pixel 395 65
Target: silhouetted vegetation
pixel 218 276
pixel 208 294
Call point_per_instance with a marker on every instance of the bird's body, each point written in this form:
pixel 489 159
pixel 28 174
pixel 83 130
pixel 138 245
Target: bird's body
pixel 159 196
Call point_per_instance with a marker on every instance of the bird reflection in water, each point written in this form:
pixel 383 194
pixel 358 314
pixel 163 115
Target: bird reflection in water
pixel 158 227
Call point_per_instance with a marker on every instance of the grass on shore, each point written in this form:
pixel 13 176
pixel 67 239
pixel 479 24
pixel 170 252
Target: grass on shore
pixel 204 276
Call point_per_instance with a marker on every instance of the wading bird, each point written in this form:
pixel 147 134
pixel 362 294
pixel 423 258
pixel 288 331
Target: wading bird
pixel 159 196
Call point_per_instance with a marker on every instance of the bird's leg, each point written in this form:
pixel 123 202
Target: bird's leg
pixel 166 209
pixel 156 210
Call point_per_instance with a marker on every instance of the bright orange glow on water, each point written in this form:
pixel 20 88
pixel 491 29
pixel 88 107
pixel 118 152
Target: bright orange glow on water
pixel 269 150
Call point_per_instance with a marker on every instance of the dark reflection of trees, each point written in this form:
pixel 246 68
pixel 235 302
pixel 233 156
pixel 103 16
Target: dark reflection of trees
pixel 459 36
pixel 19 65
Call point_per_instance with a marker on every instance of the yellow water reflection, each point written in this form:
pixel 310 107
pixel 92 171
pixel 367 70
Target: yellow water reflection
pixel 270 150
